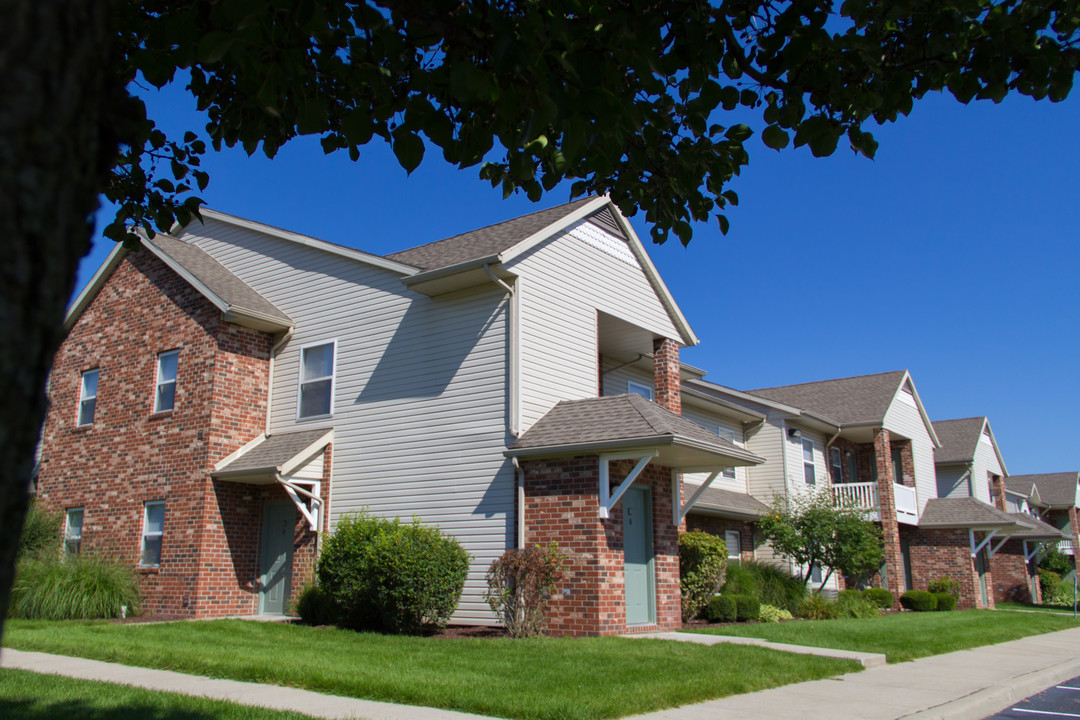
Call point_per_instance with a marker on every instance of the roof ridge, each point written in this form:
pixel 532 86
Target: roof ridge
pixel 633 403
pixel 973 417
pixel 827 380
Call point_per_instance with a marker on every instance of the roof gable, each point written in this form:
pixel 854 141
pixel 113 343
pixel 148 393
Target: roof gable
pixel 1054 489
pixel 960 440
pixel 863 399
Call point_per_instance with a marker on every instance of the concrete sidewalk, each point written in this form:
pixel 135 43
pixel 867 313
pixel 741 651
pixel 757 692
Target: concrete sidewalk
pixel 965 685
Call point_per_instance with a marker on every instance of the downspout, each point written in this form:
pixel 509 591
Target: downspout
pixel 270 376
pixel 520 489
pixel 515 350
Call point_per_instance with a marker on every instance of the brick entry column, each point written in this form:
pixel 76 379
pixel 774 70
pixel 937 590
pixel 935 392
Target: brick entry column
pixel 890 528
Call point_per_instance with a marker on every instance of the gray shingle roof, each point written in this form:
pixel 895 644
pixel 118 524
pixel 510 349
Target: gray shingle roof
pixel 617 419
pixel 484 242
pixel 1056 489
pixel 239 295
pixel 962 513
pixel 959 438
pixel 854 400
pixel 1034 527
pixel 730 501
pixel 274 451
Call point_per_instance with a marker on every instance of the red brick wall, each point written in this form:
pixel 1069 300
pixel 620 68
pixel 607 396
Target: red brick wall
pixel 947 552
pixel 562 506
pixel 1012 578
pixel 718 525
pixel 667 392
pixel 131 455
pixel 894 564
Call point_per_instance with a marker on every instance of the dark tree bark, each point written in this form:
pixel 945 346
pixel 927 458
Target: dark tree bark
pixel 58 137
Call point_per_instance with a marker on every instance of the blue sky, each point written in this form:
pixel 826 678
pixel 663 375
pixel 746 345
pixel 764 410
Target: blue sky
pixel 953 254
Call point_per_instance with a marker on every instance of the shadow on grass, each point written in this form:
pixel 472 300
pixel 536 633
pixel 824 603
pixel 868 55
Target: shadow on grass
pixel 43 709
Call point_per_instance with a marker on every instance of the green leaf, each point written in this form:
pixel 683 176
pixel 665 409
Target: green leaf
pixel 409 149
pixel 739 132
pixel 725 224
pixel 775 137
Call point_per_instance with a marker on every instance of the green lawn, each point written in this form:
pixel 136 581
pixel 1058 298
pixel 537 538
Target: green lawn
pixel 537 678
pixel 29 696
pixel 906 636
pixel 1066 609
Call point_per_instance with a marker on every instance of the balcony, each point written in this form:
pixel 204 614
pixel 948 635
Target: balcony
pixel 865 496
pixel 1066 547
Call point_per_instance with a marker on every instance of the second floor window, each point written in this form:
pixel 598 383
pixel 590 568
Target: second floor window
pixel 316 380
pixel 836 465
pixel 729 435
pixel 165 390
pixel 809 473
pixel 643 390
pixel 88 397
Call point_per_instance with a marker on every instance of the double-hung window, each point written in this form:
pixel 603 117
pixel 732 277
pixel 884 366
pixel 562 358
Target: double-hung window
pixel 852 467
pixel 317 380
pixel 836 465
pixel 808 461
pixel 73 531
pixel 734 546
pixel 153 528
pixel 165 388
pixel 88 397
pixel 641 389
pixel 729 435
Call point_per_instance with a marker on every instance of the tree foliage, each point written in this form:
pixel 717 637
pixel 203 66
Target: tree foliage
pixel 650 102
pixel 811 529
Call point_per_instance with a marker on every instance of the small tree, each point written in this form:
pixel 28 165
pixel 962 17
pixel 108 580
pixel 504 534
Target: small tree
pixel 812 529
pixel 702 562
pixel 520 582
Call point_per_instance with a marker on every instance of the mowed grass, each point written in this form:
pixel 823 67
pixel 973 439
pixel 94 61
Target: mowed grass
pixel 906 636
pixel 530 679
pixel 29 696
pixel 1067 609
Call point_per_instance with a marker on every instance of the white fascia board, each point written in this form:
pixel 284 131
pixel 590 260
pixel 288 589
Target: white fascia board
pixel 562 223
pixel 724 407
pixel 306 455
pixel 190 279
pixel 239 452
pixel 919 404
pixel 736 394
pixel 311 242
pixel 997 451
pixel 96 282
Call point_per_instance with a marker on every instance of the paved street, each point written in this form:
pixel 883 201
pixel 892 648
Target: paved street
pixel 1057 701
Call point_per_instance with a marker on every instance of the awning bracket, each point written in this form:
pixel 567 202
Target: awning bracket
pixel 607 498
pixel 976 548
pixel 294 491
pixel 680 512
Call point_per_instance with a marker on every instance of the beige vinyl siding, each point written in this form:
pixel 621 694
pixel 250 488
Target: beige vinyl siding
pixel 312 470
pixel 420 400
pixel 563 283
pixel 616 382
pixel 986 462
pixel 795 472
pixel 903 417
pixel 953 481
pixel 714 422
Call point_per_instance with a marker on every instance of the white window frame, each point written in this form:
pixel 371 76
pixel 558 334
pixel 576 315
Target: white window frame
pixel 729 435
pixel 733 556
pixel 158 383
pixel 146 534
pixel 836 461
pixel 641 389
pixel 809 468
pixel 83 398
pixel 300 378
pixel 68 536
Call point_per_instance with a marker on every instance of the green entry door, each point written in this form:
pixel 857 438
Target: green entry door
pixel 275 564
pixel 638 557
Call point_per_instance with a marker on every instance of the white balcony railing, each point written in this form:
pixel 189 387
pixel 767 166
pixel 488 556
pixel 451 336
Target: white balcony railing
pixel 1066 547
pixel 907 504
pixel 865 496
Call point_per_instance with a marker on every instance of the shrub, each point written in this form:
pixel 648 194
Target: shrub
pixel 945 601
pixel 1053 592
pixel 390 576
pixel 819 607
pixel 1056 561
pixel 520 582
pixel 918 600
pixel 82 588
pixel 702 560
pixel 771 613
pixel 879 596
pixel 747 608
pixel 315 606
pixel 42 532
pixel 853 604
pixel 944 584
pixel 720 609
pixel 769 584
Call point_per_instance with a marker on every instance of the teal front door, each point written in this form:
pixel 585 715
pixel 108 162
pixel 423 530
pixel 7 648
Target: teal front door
pixel 638 557
pixel 275 563
pixel 980 567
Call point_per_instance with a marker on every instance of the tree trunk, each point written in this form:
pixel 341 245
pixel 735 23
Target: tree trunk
pixel 57 141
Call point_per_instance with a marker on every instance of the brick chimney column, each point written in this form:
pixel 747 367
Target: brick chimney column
pixel 667 390
pixel 890 528
pixel 999 492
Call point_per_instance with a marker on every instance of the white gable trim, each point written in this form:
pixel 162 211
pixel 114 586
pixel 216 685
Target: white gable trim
pixel 997 451
pixel 906 380
pixel 311 242
pixel 688 337
pixel 75 310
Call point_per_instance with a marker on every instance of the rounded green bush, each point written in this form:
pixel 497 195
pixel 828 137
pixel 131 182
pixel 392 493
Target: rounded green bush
pixel 720 609
pixel 702 561
pixel 819 607
pixel 77 588
pixel 919 600
pixel 771 585
pixel 945 601
pixel 390 576
pixel 944 584
pixel 879 596
pixel 772 614
pixel 853 604
pixel 746 608
pixel 316 607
